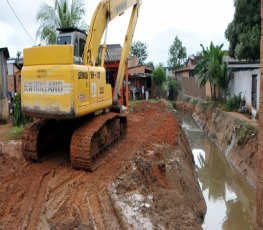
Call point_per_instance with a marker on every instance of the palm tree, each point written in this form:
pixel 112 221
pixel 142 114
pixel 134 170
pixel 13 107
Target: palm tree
pixel 211 68
pixel 61 15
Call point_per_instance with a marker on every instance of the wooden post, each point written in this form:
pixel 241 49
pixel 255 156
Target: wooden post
pixel 260 143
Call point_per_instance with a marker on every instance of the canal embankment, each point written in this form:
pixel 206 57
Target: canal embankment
pixel 233 133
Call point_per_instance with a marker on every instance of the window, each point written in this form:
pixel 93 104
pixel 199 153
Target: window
pixel 64 40
pixel 82 43
pixel 76 48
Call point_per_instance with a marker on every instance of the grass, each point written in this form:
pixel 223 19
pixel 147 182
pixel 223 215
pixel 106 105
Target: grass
pixel 245 132
pixel 136 102
pixel 195 101
pixel 15 133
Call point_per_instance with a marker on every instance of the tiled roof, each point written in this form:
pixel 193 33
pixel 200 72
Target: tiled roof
pixel 183 69
pixel 195 59
pixel 113 52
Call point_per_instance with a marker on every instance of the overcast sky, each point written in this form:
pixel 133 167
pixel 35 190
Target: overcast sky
pixel 194 22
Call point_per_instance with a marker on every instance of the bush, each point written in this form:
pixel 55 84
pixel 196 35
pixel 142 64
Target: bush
pixel 245 132
pixel 18 118
pixel 233 103
pixel 194 101
pixel 173 89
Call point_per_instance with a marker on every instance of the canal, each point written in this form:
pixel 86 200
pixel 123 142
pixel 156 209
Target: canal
pixel 231 202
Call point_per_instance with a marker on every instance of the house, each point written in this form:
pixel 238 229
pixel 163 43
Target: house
pixel 14 67
pixel 4 55
pixel 139 76
pixel 140 80
pixel 188 80
pixel 112 62
pixel 169 73
pixel 246 80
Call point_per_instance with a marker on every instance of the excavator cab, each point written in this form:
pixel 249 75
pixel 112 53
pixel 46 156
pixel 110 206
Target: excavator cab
pixel 73 36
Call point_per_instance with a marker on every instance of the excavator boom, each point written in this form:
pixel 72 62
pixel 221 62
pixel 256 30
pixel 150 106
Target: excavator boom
pixel 106 11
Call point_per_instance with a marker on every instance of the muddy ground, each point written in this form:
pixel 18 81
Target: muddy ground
pixel 146 181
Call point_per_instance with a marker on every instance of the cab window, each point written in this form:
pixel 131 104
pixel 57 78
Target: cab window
pixel 76 48
pixel 64 40
pixel 82 43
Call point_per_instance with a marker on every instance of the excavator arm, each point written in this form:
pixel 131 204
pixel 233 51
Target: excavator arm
pixel 106 11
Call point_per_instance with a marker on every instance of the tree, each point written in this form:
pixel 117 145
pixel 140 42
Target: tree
pixel 243 33
pixel 177 54
pixel 150 64
pixel 18 55
pixel 61 15
pixel 159 77
pixel 212 69
pixel 139 49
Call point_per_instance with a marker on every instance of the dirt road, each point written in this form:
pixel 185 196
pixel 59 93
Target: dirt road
pixel 146 181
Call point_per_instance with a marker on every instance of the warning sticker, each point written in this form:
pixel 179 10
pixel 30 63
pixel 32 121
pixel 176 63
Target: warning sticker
pixel 93 89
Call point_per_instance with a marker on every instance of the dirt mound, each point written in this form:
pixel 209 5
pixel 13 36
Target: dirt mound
pixel 149 173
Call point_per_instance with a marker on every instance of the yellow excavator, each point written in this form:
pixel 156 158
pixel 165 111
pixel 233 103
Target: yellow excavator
pixel 64 86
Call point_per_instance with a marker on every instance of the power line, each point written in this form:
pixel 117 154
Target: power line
pixel 20 22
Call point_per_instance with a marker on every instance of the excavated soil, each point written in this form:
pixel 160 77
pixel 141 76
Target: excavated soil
pixel 146 181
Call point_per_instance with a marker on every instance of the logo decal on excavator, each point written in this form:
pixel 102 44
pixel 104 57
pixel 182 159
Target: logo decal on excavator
pixel 47 87
pixel 82 75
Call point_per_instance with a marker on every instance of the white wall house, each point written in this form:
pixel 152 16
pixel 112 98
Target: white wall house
pixel 246 81
pixel 169 73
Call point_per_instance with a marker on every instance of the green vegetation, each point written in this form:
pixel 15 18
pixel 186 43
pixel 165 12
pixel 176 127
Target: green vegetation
pixel 14 133
pixel 159 77
pixel 18 118
pixel 177 54
pixel 173 89
pixel 245 131
pixel 233 103
pixel 195 101
pixel 243 33
pixel 133 104
pixel 212 69
pixel 61 15
pixel 139 49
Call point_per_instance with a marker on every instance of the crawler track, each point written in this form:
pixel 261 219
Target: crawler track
pixel 93 138
pixel 42 134
pixel 89 140
pixel 29 140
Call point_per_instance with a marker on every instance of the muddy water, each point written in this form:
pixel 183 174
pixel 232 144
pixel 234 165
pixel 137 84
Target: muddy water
pixel 230 200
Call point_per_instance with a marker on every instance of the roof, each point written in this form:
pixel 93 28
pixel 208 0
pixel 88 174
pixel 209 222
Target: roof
pixel 5 51
pixel 194 59
pixel 71 29
pixel 183 69
pixel 17 62
pixel 241 64
pixel 113 52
